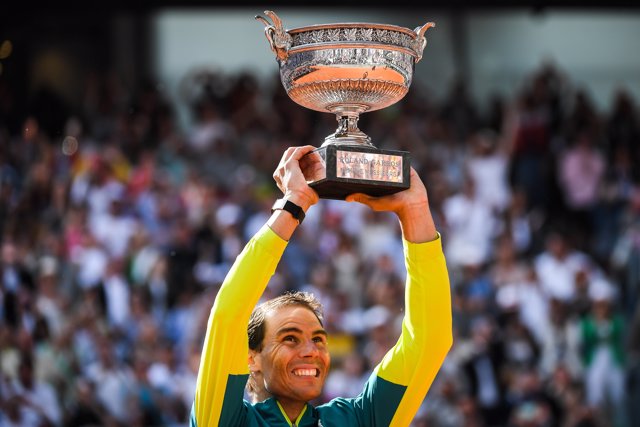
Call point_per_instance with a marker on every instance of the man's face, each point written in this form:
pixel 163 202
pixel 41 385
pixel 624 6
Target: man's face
pixel 294 361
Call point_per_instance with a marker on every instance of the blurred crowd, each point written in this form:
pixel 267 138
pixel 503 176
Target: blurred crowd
pixel 118 224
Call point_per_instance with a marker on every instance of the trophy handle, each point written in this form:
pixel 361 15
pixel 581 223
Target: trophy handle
pixel 420 41
pixel 279 40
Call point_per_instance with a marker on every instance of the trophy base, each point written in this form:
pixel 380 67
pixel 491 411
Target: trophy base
pixel 335 171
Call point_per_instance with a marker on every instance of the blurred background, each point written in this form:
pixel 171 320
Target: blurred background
pixel 137 144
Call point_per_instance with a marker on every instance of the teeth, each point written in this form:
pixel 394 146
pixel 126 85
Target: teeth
pixel 305 372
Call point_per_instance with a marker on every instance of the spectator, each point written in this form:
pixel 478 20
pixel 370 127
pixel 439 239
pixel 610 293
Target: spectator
pixel 35 400
pixel 633 352
pixel 15 278
pixel 50 303
pixel 483 373
pixel 443 409
pixel 581 173
pixel 528 130
pixel 487 165
pixel 471 225
pixel 557 266
pixel 506 267
pixel 531 404
pixel 603 357
pixel 114 383
pixel 85 410
pixel 347 379
pixel 625 258
pixel 561 341
pixel 529 301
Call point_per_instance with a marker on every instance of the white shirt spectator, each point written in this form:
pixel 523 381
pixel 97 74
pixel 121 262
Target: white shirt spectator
pixel 117 295
pixel 40 398
pixel 470 225
pixel 378 238
pixel 488 167
pixel 115 389
pixel 531 303
pixel 114 231
pixel 17 415
pixel 91 262
pixel 557 274
pixel 561 344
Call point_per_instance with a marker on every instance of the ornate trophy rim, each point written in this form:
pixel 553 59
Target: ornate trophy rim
pixel 411 46
pixel 282 43
pixel 391 27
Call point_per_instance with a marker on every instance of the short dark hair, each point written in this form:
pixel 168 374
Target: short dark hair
pixel 257 320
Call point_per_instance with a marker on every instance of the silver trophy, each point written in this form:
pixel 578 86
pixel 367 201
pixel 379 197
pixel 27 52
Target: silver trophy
pixel 348 69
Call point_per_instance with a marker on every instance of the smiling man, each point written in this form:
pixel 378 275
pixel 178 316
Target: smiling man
pixel 282 357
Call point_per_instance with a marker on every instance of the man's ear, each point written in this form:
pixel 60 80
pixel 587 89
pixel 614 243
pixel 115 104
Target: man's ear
pixel 255 361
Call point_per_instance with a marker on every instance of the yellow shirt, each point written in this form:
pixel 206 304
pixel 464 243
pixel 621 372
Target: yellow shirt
pixel 397 385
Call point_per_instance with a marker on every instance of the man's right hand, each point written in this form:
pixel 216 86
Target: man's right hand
pixel 290 179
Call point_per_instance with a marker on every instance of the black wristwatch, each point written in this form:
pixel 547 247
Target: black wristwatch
pixel 287 205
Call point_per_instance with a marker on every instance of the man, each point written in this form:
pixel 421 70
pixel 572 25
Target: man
pixel 288 356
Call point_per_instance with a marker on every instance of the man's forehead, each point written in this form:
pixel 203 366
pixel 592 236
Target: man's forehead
pixel 292 316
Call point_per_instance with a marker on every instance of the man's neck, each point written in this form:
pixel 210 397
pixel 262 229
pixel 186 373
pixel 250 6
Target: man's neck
pixel 291 409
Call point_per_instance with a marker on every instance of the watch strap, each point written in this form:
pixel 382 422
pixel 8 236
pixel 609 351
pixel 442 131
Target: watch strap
pixel 287 205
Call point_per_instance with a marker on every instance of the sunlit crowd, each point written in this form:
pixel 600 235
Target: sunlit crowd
pixel 118 223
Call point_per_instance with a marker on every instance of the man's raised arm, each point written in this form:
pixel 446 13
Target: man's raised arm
pixel 410 367
pixel 223 368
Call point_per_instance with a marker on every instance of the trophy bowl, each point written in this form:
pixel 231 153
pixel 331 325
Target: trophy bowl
pixel 348 69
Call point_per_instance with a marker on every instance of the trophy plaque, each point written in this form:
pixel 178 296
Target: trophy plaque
pixel 348 69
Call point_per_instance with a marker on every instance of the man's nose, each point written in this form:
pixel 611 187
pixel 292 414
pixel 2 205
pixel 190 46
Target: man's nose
pixel 309 348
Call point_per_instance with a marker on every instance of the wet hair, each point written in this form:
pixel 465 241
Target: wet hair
pixel 257 327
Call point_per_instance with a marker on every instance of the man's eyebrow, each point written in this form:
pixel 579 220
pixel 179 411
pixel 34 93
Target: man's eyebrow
pixel 299 331
pixel 288 330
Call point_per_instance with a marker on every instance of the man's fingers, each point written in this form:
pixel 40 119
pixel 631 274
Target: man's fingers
pixel 301 151
pixel 291 159
pixel 355 197
pixel 365 199
pixel 298 153
pixel 292 154
pixel 287 155
pixel 288 174
pixel 277 178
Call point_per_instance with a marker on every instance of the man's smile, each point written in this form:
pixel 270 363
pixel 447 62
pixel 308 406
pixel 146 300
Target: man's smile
pixel 306 372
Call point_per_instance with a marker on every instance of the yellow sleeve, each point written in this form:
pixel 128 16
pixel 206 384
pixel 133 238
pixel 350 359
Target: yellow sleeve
pixel 427 333
pixel 225 348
